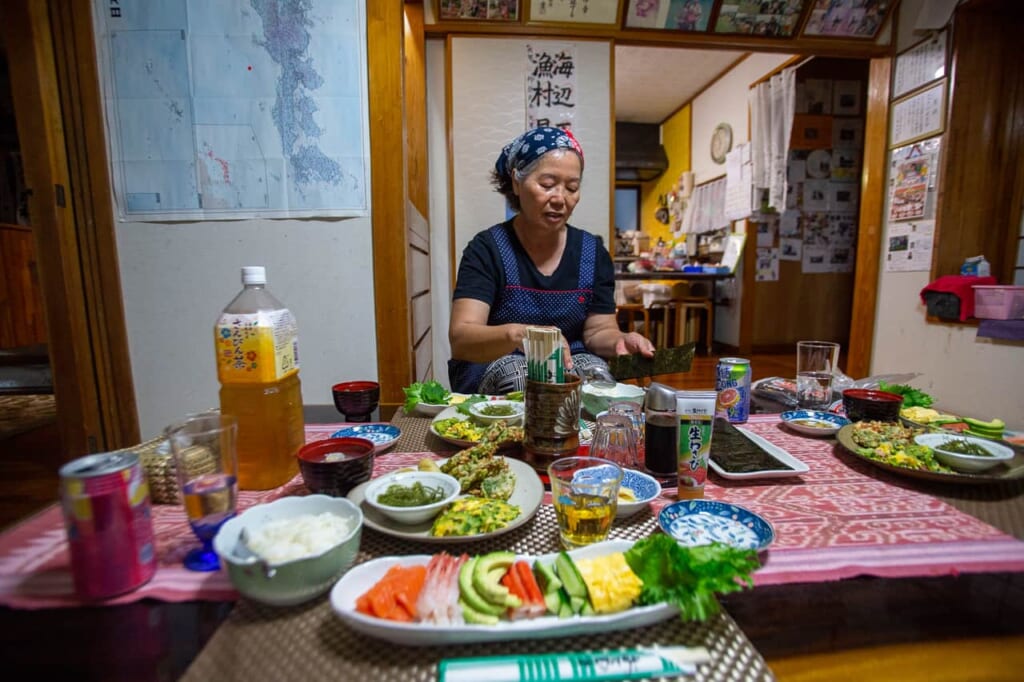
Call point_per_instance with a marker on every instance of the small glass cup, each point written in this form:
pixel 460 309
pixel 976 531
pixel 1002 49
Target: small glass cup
pixel 205 450
pixel 585 494
pixel 615 440
pixel 635 414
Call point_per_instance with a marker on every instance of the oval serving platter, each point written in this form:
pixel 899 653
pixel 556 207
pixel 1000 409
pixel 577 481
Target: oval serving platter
pixel 527 495
pixel 1008 471
pixel 382 435
pixel 701 522
pixel 362 577
pixel 453 411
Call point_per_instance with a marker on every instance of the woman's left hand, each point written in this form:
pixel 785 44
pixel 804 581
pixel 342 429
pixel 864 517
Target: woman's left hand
pixel 634 343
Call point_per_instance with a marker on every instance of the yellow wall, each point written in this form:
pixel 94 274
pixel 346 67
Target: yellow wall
pixel 675 137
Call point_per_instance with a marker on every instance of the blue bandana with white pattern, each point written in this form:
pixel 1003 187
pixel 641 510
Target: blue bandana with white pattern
pixel 531 145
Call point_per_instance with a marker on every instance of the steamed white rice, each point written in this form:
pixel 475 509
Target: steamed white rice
pixel 298 537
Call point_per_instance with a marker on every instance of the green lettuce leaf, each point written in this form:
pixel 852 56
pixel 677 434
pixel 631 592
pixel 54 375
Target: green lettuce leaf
pixel 690 577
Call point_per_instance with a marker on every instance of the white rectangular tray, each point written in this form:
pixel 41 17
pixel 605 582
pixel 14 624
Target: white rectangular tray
pixel 797 467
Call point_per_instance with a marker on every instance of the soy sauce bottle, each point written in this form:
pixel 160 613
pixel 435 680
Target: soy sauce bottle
pixel 661 426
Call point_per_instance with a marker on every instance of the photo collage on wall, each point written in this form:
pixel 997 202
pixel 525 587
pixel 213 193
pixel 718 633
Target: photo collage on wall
pixel 818 227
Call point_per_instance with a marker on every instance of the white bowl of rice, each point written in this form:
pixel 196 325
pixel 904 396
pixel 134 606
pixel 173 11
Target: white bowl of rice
pixel 294 548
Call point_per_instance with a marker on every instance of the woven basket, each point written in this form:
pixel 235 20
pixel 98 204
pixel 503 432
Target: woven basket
pixel 158 463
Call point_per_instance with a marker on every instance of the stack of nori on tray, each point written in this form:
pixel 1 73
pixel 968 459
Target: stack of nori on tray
pixel 737 454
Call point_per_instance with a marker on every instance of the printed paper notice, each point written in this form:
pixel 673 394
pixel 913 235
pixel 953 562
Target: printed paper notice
pixel 909 246
pixel 767 265
pixel 738 182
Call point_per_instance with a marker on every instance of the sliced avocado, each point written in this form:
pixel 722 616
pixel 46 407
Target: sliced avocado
pixel 487 573
pixel 471 615
pixel 570 576
pixel 978 425
pixel 469 594
pixel 546 577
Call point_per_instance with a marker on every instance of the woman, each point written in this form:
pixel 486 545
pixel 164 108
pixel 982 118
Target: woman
pixel 534 270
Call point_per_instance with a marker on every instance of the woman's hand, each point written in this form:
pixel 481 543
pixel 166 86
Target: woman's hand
pixel 634 343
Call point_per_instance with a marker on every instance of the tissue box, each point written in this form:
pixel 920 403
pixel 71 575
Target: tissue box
pixel 999 302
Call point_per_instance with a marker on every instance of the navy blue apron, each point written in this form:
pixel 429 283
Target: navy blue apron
pixel 565 309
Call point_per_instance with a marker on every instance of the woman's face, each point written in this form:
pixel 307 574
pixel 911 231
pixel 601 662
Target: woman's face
pixel 548 195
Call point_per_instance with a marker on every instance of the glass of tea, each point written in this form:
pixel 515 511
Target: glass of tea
pixel 205 451
pixel 585 493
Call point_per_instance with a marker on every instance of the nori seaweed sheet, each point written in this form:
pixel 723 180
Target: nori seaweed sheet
pixel 665 361
pixel 737 454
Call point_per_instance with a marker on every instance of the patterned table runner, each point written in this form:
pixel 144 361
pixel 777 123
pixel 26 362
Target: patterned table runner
pixel 841 519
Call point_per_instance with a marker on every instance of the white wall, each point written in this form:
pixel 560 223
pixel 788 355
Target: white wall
pixel 489 110
pixel 967 375
pixel 726 102
pixel 177 278
pixel 437 168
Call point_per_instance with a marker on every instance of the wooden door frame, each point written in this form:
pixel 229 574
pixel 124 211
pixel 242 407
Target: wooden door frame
pixel 59 112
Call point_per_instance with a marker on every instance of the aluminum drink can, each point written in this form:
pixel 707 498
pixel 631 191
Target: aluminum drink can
pixel 109 521
pixel 732 381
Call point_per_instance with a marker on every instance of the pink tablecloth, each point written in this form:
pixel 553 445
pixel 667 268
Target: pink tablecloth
pixel 836 521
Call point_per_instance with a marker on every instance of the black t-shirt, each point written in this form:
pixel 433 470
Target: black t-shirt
pixel 482 277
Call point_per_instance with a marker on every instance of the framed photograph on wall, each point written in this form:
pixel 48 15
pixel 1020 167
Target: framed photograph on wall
pixel 595 12
pixel 675 15
pixel 778 19
pixel 478 10
pixel 811 132
pixel 847 18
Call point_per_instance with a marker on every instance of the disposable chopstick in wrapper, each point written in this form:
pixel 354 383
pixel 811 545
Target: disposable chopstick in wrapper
pixel 543 346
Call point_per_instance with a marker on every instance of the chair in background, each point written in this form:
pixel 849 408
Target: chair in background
pixel 693 298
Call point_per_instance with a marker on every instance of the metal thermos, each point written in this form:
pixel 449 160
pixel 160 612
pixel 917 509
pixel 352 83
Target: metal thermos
pixel 660 430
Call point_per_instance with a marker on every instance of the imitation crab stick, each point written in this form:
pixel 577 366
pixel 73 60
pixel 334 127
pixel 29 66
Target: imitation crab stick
pixel 521 582
pixel 394 596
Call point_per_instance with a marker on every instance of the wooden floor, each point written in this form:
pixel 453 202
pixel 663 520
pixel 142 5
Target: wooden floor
pixel 29 461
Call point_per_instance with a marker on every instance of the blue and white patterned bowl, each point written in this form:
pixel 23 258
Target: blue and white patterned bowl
pixel 814 422
pixel 383 436
pixel 701 522
pixel 645 490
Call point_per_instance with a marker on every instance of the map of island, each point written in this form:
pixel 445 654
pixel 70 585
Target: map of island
pixel 230 110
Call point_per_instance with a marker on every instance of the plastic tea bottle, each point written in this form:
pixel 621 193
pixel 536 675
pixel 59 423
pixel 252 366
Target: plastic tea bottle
pixel 258 367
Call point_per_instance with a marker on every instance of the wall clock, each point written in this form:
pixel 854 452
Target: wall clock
pixel 721 142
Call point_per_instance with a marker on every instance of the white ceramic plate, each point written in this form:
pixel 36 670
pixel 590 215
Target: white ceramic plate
pixel 361 578
pixel 453 411
pixel 382 435
pixel 796 466
pixel 528 495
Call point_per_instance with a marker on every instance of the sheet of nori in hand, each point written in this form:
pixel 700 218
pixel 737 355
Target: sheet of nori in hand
pixel 737 454
pixel 665 361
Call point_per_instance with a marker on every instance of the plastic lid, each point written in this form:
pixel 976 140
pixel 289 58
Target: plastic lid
pixel 254 274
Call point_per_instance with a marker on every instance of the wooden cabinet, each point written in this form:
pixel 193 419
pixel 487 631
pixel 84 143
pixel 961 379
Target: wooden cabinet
pixel 22 322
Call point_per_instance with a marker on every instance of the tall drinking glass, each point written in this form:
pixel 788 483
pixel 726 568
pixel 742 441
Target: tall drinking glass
pixel 205 449
pixel 816 361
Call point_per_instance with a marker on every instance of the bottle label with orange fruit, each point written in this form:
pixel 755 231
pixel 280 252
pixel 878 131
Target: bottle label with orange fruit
pixel 260 347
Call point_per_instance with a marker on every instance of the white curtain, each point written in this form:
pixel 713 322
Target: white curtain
pixel 772 105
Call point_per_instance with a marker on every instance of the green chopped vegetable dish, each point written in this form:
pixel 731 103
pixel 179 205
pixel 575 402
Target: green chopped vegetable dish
pixel 429 392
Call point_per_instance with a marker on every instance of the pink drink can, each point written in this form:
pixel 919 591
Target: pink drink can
pixel 109 522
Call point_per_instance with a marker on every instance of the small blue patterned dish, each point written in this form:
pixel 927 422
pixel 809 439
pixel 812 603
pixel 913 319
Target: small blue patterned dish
pixel 383 436
pixel 814 422
pixel 644 489
pixel 701 522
